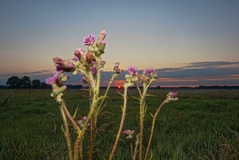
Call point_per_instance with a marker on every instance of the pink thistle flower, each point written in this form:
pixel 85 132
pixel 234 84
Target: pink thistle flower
pixel 70 65
pixel 75 59
pixel 93 70
pixel 89 39
pixel 128 133
pixel 150 70
pixel 53 79
pixel 132 70
pixel 84 118
pixel 174 94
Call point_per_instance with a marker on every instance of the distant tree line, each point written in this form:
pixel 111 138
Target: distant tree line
pixel 25 82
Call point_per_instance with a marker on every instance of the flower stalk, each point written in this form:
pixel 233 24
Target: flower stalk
pixel 121 122
pixel 89 64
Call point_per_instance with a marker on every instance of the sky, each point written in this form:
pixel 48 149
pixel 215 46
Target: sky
pixel 189 42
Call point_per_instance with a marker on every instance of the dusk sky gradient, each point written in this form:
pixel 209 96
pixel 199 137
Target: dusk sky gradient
pixel 189 42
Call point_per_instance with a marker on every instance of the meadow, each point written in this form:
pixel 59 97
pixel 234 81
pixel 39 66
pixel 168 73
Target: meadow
pixel 203 124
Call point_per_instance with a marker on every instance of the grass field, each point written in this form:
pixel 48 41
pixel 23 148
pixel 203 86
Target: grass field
pixel 203 124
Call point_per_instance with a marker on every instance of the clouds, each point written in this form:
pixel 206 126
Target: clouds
pixel 210 64
pixel 201 73
pixel 192 74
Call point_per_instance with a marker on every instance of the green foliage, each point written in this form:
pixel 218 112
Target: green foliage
pixel 201 125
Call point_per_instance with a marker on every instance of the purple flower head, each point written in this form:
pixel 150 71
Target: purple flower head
pixel 132 70
pixel 150 70
pixel 70 65
pixel 75 59
pixel 89 39
pixel 84 118
pixel 93 70
pixel 53 79
pixel 174 94
pixel 128 133
pixel 59 68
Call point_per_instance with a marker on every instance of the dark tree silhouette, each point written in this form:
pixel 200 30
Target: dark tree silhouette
pixel 13 82
pixel 45 86
pixel 36 84
pixel 25 82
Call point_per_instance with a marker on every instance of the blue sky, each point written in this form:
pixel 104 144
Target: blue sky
pixel 173 36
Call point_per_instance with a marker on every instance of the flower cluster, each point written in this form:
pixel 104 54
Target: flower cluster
pixel 128 133
pixel 81 122
pixel 87 63
pixel 117 69
pixel 57 81
pixel 148 75
pixel 172 96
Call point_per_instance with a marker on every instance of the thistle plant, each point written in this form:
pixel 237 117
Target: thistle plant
pixel 89 64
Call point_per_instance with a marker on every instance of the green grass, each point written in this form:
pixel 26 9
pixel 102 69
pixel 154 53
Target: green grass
pixel 195 127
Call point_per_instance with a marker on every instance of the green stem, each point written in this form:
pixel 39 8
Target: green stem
pixel 136 147
pixel 141 127
pixel 141 117
pixel 63 106
pixel 131 149
pixel 107 90
pixel 83 130
pixel 66 133
pixel 121 123
pixel 94 117
pixel 152 128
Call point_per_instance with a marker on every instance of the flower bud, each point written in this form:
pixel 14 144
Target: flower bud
pixel 58 90
pixel 79 53
pixel 101 46
pixel 102 35
pixel 128 133
pixel 89 57
pixel 102 63
pixel 58 60
pixel 93 70
pixel 172 96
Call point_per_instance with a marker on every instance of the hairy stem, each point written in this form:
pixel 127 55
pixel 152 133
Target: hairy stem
pixel 141 126
pixel 136 147
pixel 66 133
pixel 94 117
pixel 141 118
pixel 84 128
pixel 152 128
pixel 63 106
pixel 121 123
pixel 131 149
